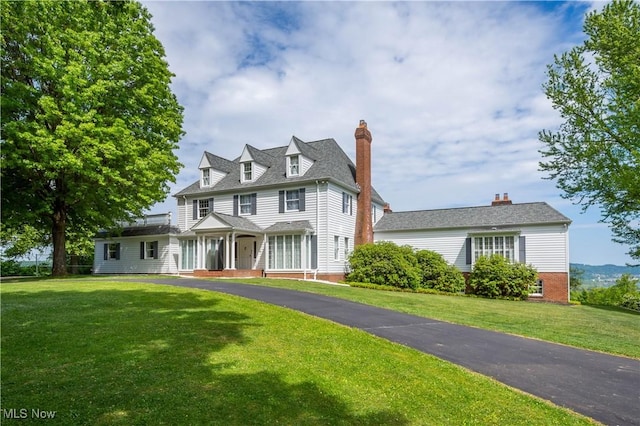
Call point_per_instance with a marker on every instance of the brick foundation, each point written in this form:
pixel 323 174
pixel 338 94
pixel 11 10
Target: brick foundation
pixel 228 273
pixel 555 287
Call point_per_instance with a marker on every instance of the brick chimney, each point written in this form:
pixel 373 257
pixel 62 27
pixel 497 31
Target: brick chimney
pixel 504 202
pixel 364 225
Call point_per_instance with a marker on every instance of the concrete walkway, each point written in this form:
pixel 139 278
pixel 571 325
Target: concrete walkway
pixel 603 387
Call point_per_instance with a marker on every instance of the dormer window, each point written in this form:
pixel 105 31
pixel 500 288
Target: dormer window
pixel 294 165
pixel 206 177
pixel 247 172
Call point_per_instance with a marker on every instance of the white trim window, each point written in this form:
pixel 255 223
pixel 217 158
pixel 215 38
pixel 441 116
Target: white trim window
pixel 336 247
pixel 294 165
pixel 504 245
pixel 247 172
pixel 292 200
pixel 203 207
pixel 346 248
pixel 206 177
pixel 246 204
pixel 285 252
pixel 347 203
pixel 537 288
pixel 188 254
pixel 148 250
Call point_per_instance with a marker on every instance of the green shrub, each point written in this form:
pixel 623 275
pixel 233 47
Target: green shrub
pixel 631 301
pixel 437 274
pixel 496 277
pixel 625 290
pixel 384 263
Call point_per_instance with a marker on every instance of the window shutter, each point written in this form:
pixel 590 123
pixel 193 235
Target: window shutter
pixel 344 201
pixel 314 252
pixel 141 249
pixel 195 209
pixel 155 249
pixel 468 250
pixel 254 203
pixel 235 204
pixel 106 252
pixel 302 199
pixel 523 250
pixel 210 205
pixel 281 201
pixel 118 251
pixel 350 205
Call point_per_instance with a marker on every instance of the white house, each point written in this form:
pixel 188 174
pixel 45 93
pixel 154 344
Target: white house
pixel 298 210
pixel 288 211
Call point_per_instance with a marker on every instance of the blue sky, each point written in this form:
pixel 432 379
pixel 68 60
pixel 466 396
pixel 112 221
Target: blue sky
pixel 451 92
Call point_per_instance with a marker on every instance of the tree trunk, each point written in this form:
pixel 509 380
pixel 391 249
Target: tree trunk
pixel 59 241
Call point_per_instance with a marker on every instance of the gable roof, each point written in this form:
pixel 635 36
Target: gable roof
pixel 215 220
pixel 472 217
pixel 330 163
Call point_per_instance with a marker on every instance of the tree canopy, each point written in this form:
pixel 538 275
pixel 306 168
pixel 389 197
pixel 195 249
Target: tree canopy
pixel 89 123
pixel 594 156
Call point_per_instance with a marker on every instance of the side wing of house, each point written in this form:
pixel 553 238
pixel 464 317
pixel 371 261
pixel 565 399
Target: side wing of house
pixel 150 254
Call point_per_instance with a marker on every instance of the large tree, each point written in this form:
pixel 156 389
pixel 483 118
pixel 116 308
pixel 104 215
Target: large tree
pixel 594 156
pixel 89 123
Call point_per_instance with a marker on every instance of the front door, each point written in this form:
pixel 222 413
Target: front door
pixel 244 253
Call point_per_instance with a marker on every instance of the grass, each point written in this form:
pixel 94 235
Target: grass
pixel 605 329
pixel 106 352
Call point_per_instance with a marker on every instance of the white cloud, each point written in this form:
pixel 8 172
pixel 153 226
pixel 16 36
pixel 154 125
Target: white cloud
pixel 451 91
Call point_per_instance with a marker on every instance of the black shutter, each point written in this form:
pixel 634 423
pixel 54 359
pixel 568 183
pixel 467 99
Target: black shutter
pixel 281 201
pixel 468 250
pixel 210 205
pixel 235 205
pixel 254 203
pixel 301 203
pixel 344 201
pixel 155 249
pixel 523 250
pixel 195 209
pixel 314 252
pixel 106 252
pixel 141 249
pixel 118 251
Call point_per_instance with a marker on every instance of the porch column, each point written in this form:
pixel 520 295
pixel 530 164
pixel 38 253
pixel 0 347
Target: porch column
pixel 227 249
pixel 233 250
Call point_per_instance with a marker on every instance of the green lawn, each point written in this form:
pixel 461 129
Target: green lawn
pixel 606 329
pixel 106 352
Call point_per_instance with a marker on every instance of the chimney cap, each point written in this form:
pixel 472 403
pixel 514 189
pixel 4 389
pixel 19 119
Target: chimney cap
pixel 363 124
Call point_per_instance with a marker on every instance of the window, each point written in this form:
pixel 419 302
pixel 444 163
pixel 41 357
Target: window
pixel 203 208
pixel 247 174
pixel 112 251
pixel 148 250
pixel 486 246
pixel 294 165
pixel 374 214
pixel 536 289
pixel 336 247
pixel 285 252
pixel 346 248
pixel 246 204
pixel 347 206
pixel 292 200
pixel 189 252
pixel 206 177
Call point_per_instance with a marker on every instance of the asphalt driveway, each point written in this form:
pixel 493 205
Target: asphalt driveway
pixel 603 387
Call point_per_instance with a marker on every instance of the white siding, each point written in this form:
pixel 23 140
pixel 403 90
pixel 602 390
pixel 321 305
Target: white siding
pixel 339 224
pixel 547 248
pixel 130 262
pixel 449 243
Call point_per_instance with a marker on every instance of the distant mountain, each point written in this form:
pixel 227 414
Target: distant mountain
pixel 604 275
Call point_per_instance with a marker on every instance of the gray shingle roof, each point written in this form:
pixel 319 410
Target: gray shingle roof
pixel 473 217
pixel 238 223
pixel 330 163
pixel 137 231
pixel 292 226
